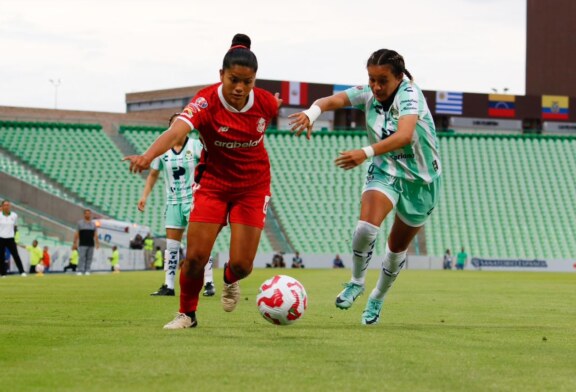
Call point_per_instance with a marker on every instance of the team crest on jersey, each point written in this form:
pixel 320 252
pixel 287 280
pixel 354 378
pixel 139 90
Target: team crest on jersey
pixel 188 112
pixel 223 129
pixel 201 102
pixel 261 125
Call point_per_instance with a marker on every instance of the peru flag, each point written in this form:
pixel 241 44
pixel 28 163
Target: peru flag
pixel 295 93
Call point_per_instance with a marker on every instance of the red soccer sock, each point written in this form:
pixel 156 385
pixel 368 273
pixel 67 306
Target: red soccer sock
pixel 189 292
pixel 229 277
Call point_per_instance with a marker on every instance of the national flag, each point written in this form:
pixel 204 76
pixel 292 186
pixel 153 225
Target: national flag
pixel 501 105
pixel 448 102
pixel 294 93
pixel 554 107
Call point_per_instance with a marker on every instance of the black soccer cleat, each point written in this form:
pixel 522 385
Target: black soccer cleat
pixel 163 291
pixel 209 290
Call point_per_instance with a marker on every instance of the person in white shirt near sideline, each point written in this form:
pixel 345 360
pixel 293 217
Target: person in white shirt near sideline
pixel 7 231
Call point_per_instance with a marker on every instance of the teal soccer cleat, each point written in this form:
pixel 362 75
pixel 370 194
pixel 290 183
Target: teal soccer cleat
pixel 371 313
pixel 346 298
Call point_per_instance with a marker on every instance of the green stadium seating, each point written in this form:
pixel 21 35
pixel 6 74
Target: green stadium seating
pixel 317 204
pixel 16 169
pixel 506 196
pixel 502 196
pixel 84 160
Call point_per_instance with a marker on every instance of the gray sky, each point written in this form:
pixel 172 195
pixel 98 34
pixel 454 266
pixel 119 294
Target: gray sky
pixel 103 49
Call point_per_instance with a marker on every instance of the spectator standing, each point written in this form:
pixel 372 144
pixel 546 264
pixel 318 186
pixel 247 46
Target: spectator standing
pixel 115 260
pixel 35 254
pixel 297 261
pixel 461 259
pixel 7 232
pixel 148 249
pixel 85 239
pixel 46 261
pixel 158 263
pixel 337 262
pixel 447 265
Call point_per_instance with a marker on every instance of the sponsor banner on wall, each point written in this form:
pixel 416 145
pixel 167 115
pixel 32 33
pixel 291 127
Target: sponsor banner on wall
pixel 559 127
pixel 485 123
pixel 553 265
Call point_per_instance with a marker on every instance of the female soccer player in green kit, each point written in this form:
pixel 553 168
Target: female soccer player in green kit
pixel 404 173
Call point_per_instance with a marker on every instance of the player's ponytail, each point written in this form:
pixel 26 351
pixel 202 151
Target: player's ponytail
pixel 391 58
pixel 240 53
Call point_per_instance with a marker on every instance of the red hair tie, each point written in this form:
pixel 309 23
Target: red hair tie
pixel 238 46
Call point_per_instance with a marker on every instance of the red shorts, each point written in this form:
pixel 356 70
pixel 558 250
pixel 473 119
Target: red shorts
pixel 245 208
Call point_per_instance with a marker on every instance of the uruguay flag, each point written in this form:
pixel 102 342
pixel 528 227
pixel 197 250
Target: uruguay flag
pixel 449 102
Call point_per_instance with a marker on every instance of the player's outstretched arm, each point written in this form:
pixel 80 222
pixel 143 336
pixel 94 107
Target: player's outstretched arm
pixel 163 143
pixel 304 120
pixel 150 182
pixel 402 137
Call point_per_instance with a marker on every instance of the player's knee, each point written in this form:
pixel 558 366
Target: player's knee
pixel 364 236
pixel 193 265
pixel 241 270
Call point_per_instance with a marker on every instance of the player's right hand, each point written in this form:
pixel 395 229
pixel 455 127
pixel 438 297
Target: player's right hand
pixel 300 123
pixel 141 205
pixel 138 163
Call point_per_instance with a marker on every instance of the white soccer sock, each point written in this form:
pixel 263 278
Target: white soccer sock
pixel 171 262
pixel 391 266
pixel 208 273
pixel 363 247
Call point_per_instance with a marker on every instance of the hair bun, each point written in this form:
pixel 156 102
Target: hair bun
pixel 241 39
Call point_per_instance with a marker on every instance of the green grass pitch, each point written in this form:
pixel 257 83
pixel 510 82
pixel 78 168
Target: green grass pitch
pixel 439 331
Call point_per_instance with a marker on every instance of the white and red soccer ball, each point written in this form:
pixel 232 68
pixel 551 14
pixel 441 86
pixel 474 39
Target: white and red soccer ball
pixel 282 300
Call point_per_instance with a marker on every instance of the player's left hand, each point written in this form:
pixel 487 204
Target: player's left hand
pixel 350 159
pixel 278 99
pixel 138 163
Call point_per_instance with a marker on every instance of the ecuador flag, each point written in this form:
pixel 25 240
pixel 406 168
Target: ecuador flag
pixel 554 107
pixel 501 105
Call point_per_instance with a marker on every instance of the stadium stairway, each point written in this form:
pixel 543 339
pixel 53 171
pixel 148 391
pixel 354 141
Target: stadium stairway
pixel 12 164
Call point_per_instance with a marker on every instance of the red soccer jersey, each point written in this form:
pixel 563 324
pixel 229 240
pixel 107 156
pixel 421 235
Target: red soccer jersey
pixel 234 158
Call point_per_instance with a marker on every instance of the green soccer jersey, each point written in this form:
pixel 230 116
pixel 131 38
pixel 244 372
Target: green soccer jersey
pixel 178 169
pixel 419 161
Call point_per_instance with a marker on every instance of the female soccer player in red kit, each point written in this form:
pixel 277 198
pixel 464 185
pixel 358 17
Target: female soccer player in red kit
pixel 232 182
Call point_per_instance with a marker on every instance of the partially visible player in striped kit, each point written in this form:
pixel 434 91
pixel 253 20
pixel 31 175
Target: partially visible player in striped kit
pixel 178 165
pixel 404 172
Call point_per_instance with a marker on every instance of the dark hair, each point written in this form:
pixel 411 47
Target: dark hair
pixel 172 118
pixel 240 53
pixel 391 58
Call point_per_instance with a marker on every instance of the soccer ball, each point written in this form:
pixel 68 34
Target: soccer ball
pixel 39 268
pixel 282 300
